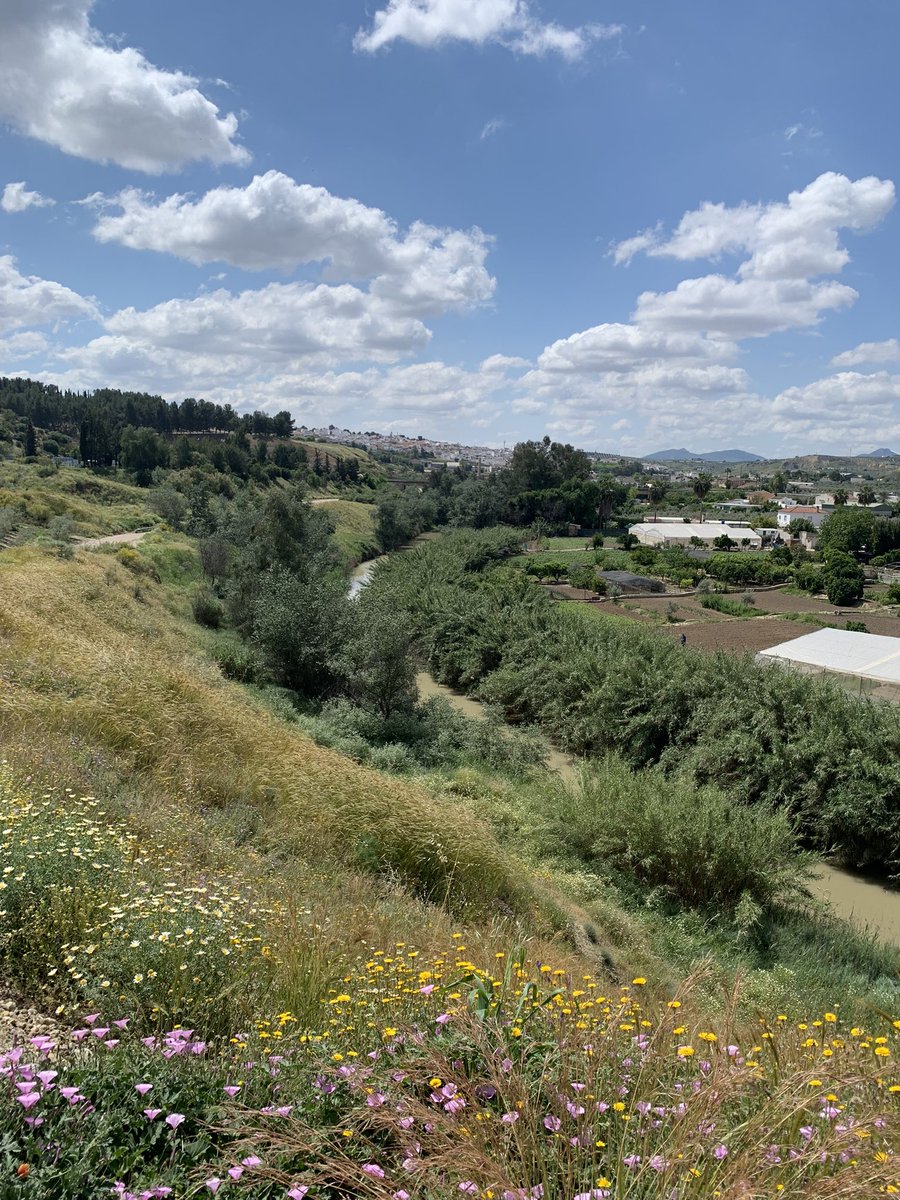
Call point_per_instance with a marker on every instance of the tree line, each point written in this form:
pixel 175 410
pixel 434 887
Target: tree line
pixel 598 684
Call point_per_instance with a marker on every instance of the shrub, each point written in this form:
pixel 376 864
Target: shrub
pixel 892 595
pixel 809 578
pixel 733 608
pixel 844 578
pixel 857 627
pixel 207 608
pixel 239 661
pixel 694 843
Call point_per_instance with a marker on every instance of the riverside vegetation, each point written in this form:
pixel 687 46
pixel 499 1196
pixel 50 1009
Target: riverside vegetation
pixel 280 972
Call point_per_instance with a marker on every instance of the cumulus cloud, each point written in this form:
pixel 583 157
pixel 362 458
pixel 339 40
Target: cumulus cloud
pixel 63 83
pixel 26 300
pixel 869 352
pixel 793 240
pixel 845 411
pixel 276 222
pixel 16 198
pixel 672 367
pixel 428 23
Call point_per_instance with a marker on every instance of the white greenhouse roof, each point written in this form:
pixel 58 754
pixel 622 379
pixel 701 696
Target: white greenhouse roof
pixel 706 531
pixel 867 655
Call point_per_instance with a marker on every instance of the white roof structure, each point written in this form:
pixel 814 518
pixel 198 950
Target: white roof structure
pixel 864 655
pixel 707 532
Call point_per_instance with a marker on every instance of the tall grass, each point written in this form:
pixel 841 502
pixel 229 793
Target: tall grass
pixel 84 661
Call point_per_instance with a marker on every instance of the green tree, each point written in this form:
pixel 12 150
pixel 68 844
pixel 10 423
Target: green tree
pixel 843 578
pixel 299 625
pixel 30 440
pixel 380 665
pixel 849 529
pixel 142 451
pixel 866 495
pixel 800 525
pixel 841 496
pixel 701 487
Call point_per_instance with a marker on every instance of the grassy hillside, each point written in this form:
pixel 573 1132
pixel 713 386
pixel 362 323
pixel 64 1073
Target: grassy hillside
pixel 176 855
pixel 98 506
pixel 354 529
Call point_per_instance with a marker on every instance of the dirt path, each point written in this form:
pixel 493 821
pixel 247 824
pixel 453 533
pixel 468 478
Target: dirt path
pixel 112 539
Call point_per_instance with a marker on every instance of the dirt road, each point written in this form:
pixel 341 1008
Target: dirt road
pixel 112 539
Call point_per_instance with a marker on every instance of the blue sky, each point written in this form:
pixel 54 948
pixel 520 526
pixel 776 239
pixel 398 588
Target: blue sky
pixel 630 225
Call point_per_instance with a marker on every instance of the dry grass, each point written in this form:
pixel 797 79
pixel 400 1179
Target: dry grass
pixel 92 658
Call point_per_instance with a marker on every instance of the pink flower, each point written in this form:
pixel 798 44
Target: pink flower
pixel 232 1090
pixel 142 1088
pixel 251 1161
pixel 174 1119
pixel 442 1018
pixel 47 1077
pixel 427 989
pixel 374 1170
pixel 92 1018
pixel 401 1195
pixel 235 1172
pixel 552 1124
pixel 214 1184
pixel 470 1188
pixel 122 1023
pixel 720 1152
pixel 28 1099
pixel 376 1099
pixel 152 1113
pixel 510 1118
pixel 297 1193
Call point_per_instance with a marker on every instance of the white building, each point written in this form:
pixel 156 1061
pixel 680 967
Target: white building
pixel 808 512
pixel 677 533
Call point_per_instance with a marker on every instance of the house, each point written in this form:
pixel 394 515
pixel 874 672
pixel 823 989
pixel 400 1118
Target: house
pixel 679 533
pixel 808 512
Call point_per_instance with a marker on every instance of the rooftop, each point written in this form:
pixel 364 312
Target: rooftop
pixel 868 655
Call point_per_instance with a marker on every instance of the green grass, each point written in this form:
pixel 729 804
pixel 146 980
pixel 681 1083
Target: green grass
pixel 354 529
pixel 97 505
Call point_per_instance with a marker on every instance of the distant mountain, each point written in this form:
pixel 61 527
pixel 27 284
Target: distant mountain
pixel 880 453
pixel 683 455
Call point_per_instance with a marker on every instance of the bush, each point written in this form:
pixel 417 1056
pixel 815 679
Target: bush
pixel 809 578
pixel 733 608
pixel 693 843
pixel 892 595
pixel 239 661
pixel 844 578
pixel 207 608
pixel 857 627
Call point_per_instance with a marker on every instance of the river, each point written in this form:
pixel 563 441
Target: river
pixel 866 903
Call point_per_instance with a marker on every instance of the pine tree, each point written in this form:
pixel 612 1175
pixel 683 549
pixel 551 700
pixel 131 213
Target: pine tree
pixel 30 440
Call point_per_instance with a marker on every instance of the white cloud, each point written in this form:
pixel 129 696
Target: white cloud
pixel 618 347
pixel 732 308
pixel 847 411
pixel 276 222
pixel 793 240
pixel 494 125
pixel 428 23
pixel 16 198
pixel 869 352
pixel 63 83
pixel 26 300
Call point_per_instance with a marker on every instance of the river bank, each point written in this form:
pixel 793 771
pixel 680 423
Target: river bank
pixel 866 903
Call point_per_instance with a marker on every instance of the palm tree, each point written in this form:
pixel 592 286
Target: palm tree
pixel 866 495
pixel 841 496
pixel 657 493
pixel 702 485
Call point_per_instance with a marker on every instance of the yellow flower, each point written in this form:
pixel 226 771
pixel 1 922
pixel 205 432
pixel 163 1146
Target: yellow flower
pixel 882 1052
pixel 435 1082
pixel 832 1017
pixel 640 981
pixel 685 1051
